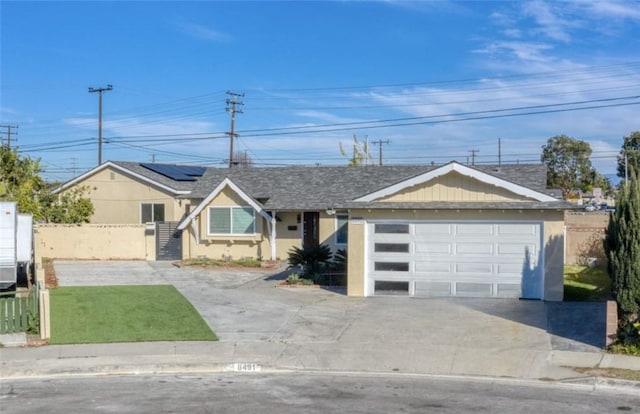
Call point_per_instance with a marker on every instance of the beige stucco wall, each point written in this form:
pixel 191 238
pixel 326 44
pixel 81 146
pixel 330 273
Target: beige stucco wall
pixel 286 239
pixel 453 187
pixel 94 241
pixel 553 229
pixel 117 198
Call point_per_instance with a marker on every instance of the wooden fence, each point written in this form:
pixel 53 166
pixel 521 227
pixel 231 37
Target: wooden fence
pixel 19 313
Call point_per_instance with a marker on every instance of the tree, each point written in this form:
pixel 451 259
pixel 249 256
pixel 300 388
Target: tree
pixel 630 148
pixel 20 181
pixel 600 181
pixel 361 154
pixel 242 160
pixel 568 164
pixel 622 247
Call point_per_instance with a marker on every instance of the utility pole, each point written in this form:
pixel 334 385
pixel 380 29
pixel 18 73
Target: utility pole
pixel 499 152
pixel 9 133
pixel 473 156
pixel 100 92
pixel 380 142
pixel 232 103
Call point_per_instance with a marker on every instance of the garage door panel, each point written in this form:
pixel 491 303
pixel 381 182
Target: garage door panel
pixel 474 248
pixel 516 249
pixel 423 288
pixel 509 268
pixel 479 269
pixel 433 229
pixel 427 267
pixel 433 248
pixel 474 229
pixel 517 229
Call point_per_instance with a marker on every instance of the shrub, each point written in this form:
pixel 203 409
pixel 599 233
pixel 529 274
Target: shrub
pixel 622 246
pixel 312 260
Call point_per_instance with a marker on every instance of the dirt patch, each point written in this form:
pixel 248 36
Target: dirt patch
pixel 229 265
pixel 35 340
pixel 50 278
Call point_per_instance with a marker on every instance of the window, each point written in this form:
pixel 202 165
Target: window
pixel 151 212
pixel 231 220
pixel 392 228
pixel 391 266
pixel 391 248
pixel 342 227
pixel 382 287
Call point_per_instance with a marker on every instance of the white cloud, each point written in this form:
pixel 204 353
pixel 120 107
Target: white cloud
pixel 139 128
pixel 623 10
pixel 203 32
pixel 522 50
pixel 550 20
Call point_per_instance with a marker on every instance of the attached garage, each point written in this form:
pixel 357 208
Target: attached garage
pixel 455 258
pixel 457 231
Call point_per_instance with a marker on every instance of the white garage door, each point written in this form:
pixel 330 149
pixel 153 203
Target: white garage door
pixel 473 259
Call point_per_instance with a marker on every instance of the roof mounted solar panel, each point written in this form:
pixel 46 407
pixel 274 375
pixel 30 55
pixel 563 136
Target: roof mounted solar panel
pixel 176 172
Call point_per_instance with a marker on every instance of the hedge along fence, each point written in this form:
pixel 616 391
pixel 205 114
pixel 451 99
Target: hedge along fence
pixel 19 313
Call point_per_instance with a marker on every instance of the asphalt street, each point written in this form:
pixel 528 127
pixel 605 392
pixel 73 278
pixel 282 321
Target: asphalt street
pixel 303 393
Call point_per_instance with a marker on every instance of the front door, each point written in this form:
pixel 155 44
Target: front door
pixel 310 229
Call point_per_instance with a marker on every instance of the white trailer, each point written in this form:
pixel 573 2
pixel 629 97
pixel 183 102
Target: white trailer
pixel 8 244
pixel 16 245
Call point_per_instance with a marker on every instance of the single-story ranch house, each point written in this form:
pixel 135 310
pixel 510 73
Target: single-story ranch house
pixel 449 230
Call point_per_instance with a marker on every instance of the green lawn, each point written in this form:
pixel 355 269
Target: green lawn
pixel 100 314
pixel 584 283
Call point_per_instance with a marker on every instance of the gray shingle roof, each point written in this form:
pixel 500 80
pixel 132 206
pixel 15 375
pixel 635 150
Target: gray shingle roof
pixel 301 188
pixel 313 188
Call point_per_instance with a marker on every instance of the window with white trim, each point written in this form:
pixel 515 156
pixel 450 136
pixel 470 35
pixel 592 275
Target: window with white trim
pixel 231 220
pixel 342 227
pixel 150 212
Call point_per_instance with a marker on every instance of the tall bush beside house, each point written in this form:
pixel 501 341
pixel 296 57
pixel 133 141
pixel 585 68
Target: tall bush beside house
pixel 622 246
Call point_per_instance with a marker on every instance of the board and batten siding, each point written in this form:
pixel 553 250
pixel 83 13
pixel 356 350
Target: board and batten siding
pixel 453 187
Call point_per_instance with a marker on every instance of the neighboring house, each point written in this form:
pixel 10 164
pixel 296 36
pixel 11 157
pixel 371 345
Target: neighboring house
pixel 452 230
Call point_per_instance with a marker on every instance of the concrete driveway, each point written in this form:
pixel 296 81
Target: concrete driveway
pixel 324 328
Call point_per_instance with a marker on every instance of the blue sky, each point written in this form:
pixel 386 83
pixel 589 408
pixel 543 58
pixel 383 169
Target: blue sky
pixel 437 79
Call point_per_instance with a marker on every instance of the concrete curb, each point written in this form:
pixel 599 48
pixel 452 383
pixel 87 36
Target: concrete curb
pixel 65 365
pixel 103 366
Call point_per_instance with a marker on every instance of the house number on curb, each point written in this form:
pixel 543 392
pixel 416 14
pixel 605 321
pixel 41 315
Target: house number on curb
pixel 246 367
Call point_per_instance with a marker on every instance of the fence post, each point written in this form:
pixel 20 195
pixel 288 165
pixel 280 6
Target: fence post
pixel 45 316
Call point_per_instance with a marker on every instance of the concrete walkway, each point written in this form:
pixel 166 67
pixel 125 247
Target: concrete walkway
pixel 315 329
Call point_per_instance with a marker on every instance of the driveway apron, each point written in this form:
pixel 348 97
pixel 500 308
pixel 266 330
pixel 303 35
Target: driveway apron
pixel 317 327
